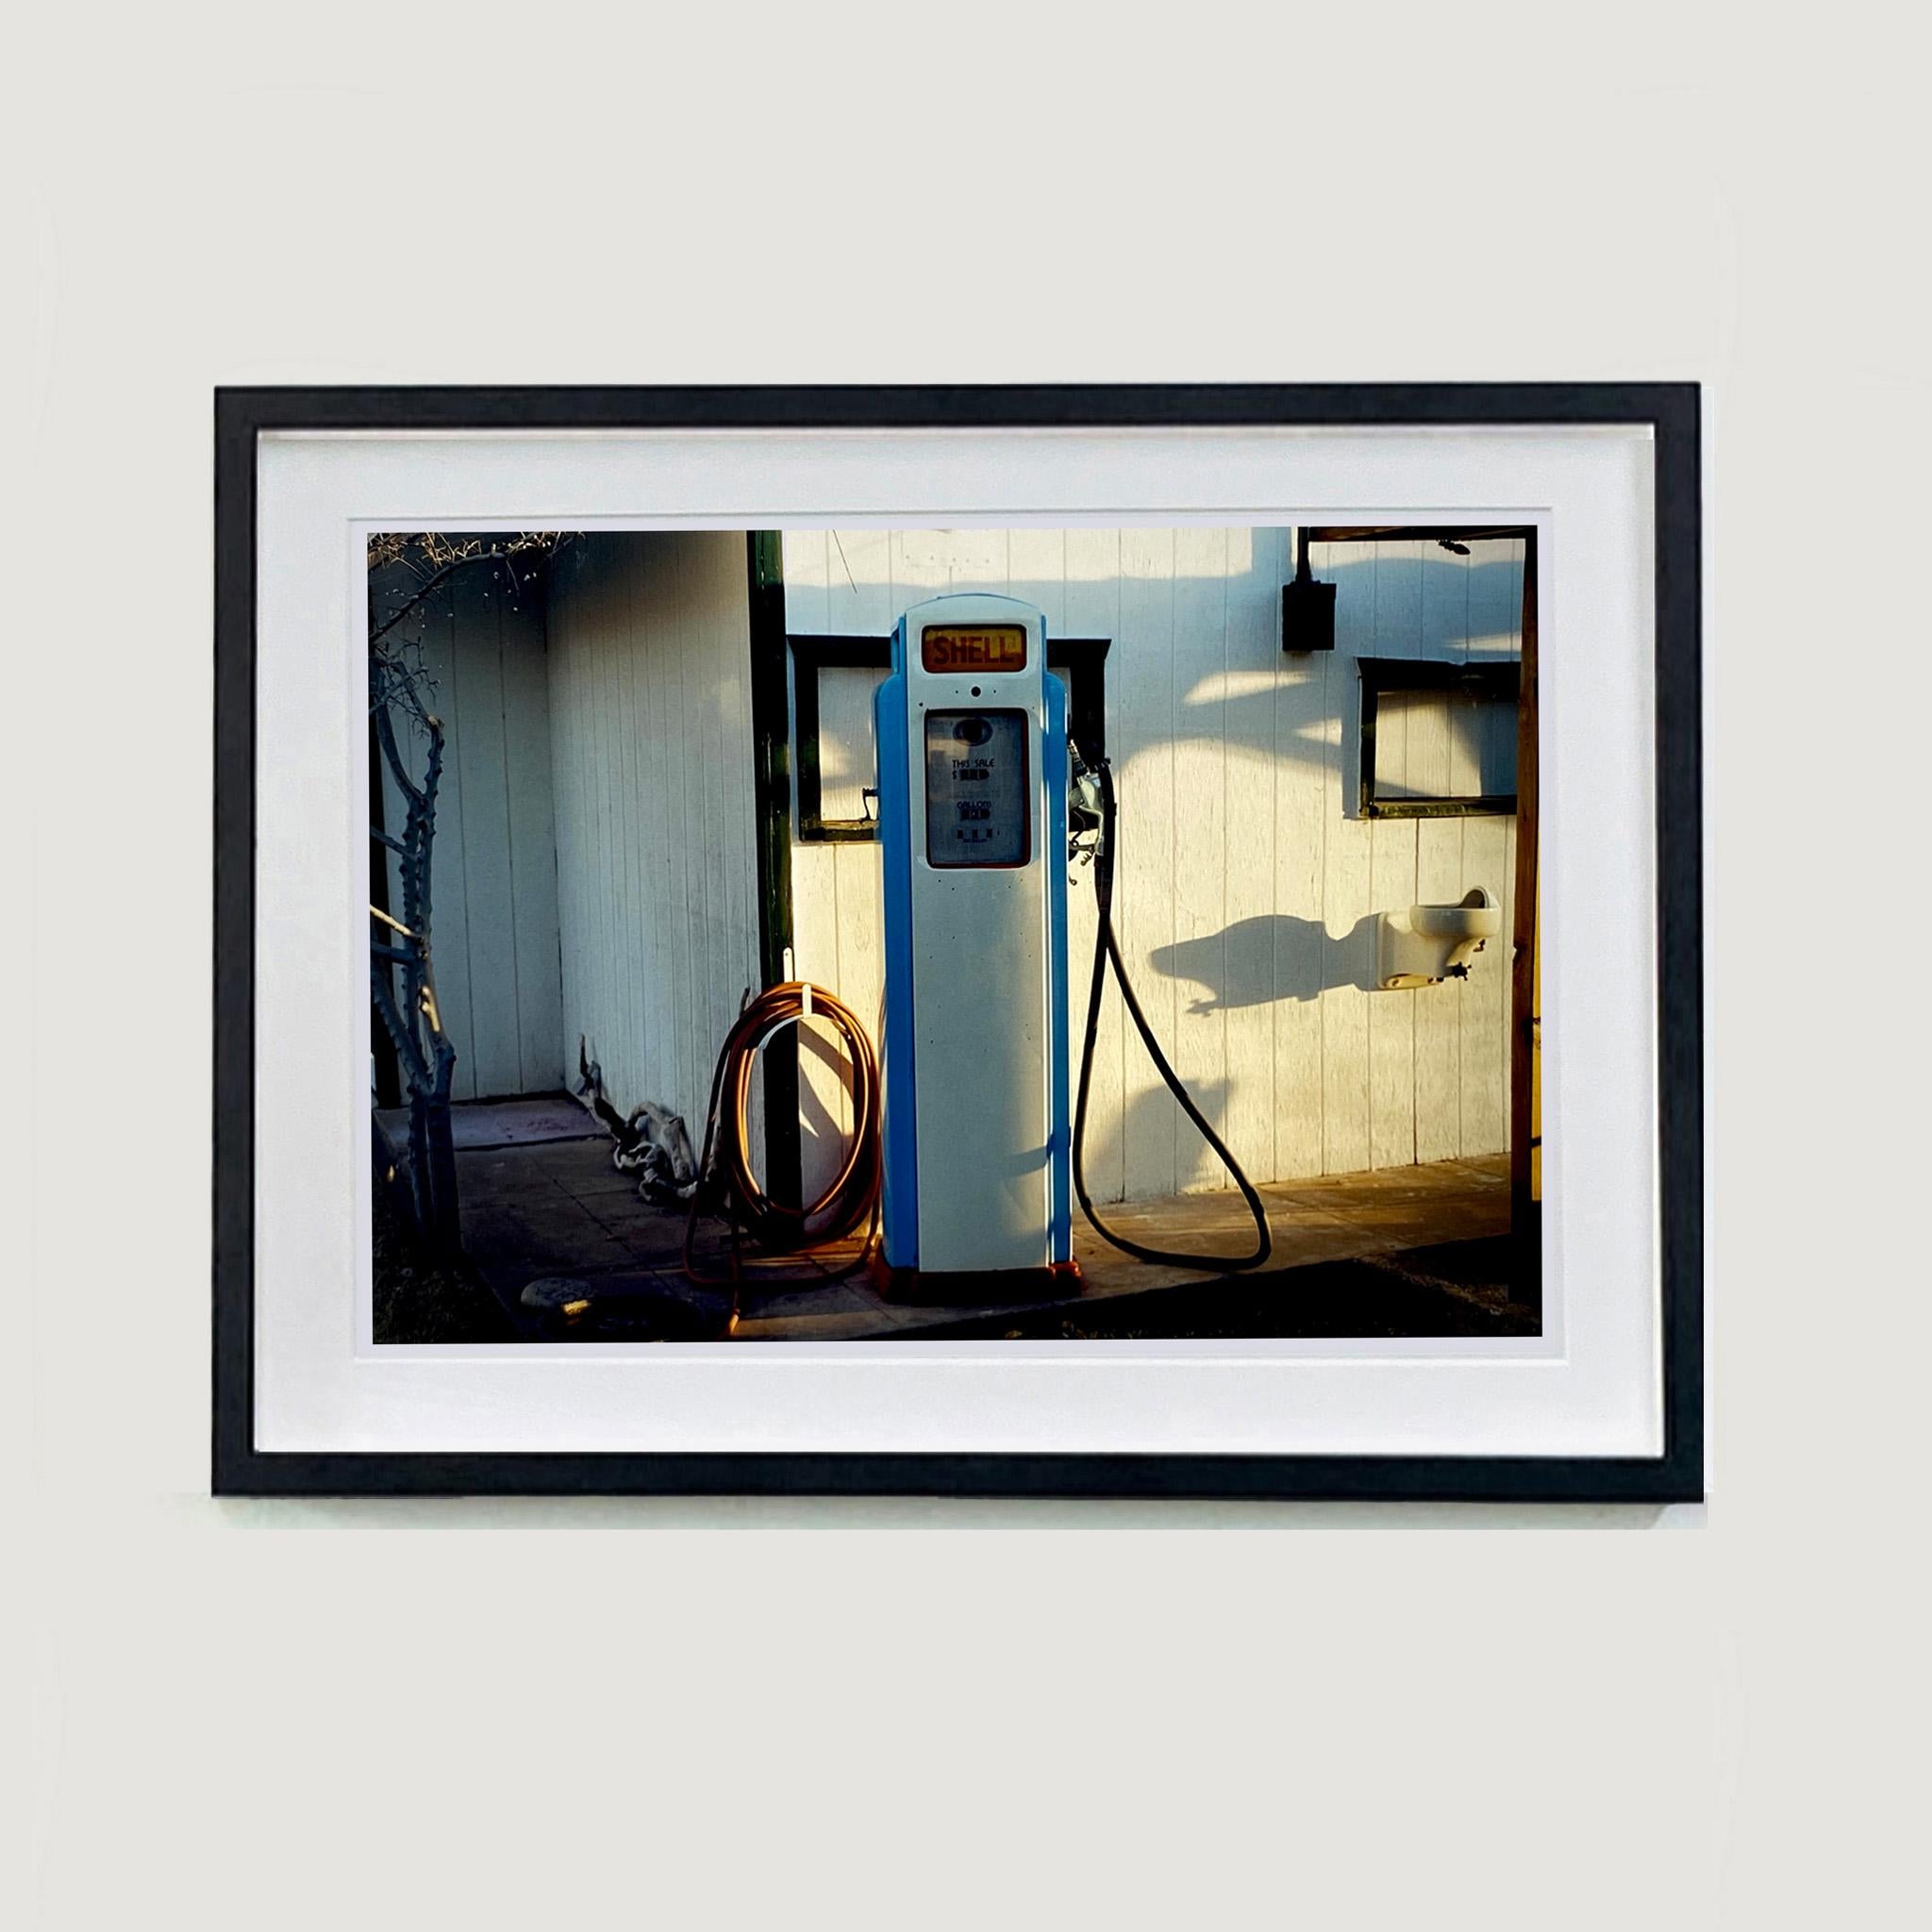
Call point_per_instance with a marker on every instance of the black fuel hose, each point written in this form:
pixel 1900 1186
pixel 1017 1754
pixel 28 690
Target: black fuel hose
pixel 1105 948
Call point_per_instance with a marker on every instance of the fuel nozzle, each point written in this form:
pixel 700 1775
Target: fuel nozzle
pixel 1084 826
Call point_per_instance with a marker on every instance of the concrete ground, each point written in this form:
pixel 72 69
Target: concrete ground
pixel 573 1254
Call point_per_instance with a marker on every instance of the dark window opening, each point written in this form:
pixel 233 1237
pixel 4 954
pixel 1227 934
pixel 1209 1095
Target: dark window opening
pixel 1438 740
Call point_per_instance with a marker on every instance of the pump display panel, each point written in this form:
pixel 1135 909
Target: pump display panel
pixel 990 647
pixel 978 801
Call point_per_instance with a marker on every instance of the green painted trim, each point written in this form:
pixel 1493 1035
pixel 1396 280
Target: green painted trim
pixel 811 655
pixel 1494 805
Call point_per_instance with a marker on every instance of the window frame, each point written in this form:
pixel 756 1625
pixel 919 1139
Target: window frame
pixel 1500 681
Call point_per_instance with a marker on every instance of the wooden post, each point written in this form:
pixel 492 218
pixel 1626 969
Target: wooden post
pixel 771 727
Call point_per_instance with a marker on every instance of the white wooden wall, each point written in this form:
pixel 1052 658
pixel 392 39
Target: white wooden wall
pixel 650 712
pixel 1246 883
pixel 493 868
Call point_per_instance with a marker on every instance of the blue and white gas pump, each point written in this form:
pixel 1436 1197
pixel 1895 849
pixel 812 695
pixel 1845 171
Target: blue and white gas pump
pixel 972 733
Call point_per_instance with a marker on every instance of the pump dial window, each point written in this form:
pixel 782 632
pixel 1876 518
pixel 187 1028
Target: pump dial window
pixel 956 647
pixel 977 804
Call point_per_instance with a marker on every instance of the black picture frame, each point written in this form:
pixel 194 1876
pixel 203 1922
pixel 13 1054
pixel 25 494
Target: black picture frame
pixel 1671 412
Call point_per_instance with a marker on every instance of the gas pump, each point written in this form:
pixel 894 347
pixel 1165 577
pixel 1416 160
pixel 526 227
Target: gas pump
pixel 972 733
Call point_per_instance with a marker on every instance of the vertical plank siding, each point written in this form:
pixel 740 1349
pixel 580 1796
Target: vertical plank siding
pixel 1302 801
pixel 494 865
pixel 1248 884
pixel 1246 722
pixel 824 883
pixel 650 752
pixel 1090 596
pixel 1395 630
pixel 1348 948
pixel 1141 668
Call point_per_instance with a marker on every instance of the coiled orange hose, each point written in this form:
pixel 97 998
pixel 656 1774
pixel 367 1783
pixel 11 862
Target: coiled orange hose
pixel 724 1157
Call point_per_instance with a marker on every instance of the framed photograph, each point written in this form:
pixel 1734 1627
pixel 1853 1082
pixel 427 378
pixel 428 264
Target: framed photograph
pixel 1040 942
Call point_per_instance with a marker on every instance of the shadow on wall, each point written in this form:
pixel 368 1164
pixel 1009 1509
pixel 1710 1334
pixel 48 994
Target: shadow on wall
pixel 1143 1146
pixel 1270 958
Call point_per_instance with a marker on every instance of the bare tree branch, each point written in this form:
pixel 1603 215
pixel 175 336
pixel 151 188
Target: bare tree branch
pixel 401 972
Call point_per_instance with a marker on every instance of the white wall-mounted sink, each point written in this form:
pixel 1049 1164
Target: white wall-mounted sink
pixel 1423 945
